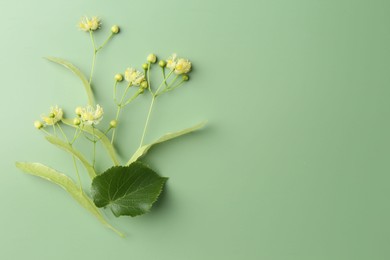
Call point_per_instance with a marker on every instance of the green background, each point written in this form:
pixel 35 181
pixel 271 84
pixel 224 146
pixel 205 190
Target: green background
pixel 292 165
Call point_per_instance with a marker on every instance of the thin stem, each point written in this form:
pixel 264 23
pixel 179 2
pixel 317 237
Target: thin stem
pixel 163 72
pixel 54 130
pixel 73 157
pixel 148 75
pixel 46 132
pixel 132 98
pixel 171 88
pixel 94 146
pixel 77 172
pixel 94 56
pixel 162 83
pixel 66 138
pixel 147 121
pixel 105 42
pixel 76 135
pixel 122 105
pixel 114 94
pixel 118 111
pixel 154 96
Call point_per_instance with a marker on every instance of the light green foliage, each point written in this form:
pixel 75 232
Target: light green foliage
pixel 67 184
pixel 78 73
pixel 145 148
pixel 67 147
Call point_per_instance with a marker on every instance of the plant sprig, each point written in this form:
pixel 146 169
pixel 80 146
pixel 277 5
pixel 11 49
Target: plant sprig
pixel 130 189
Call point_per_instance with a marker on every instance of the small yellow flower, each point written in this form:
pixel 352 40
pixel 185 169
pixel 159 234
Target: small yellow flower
pixel 91 116
pixel 134 77
pixel 182 66
pixel 171 62
pixel 53 117
pixel 89 24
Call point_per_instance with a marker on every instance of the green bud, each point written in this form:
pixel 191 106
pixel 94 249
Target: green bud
pixel 76 121
pixel 144 84
pixel 113 123
pixel 52 115
pixel 162 63
pixel 118 77
pixel 145 66
pixel 151 58
pixel 38 124
pixel 115 29
pixel 185 77
pixel 78 111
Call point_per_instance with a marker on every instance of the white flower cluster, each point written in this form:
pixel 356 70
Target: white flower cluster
pixel 90 115
pixel 53 117
pixel 179 66
pixel 89 24
pixel 134 77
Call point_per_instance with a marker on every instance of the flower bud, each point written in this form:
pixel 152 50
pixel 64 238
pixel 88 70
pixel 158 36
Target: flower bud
pixel 52 115
pixel 115 29
pixel 38 124
pixel 185 77
pixel 151 58
pixel 118 77
pixel 113 123
pixel 78 110
pixel 144 84
pixel 162 63
pixel 145 66
pixel 76 121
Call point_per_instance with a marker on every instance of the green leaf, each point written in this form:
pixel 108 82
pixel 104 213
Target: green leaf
pixel 67 184
pixel 145 148
pixel 128 190
pixel 68 148
pixel 99 135
pixel 78 73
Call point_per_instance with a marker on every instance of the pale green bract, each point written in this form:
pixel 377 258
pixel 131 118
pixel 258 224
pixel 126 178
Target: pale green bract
pixel 40 170
pixel 102 137
pixel 145 148
pixel 78 73
pixel 68 148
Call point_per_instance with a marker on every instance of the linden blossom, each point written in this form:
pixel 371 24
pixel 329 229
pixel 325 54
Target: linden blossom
pixel 91 116
pixel 179 66
pixel 89 24
pixel 134 77
pixel 53 117
pixel 137 186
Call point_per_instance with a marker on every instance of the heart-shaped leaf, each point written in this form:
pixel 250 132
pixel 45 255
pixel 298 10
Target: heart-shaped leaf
pixel 128 190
